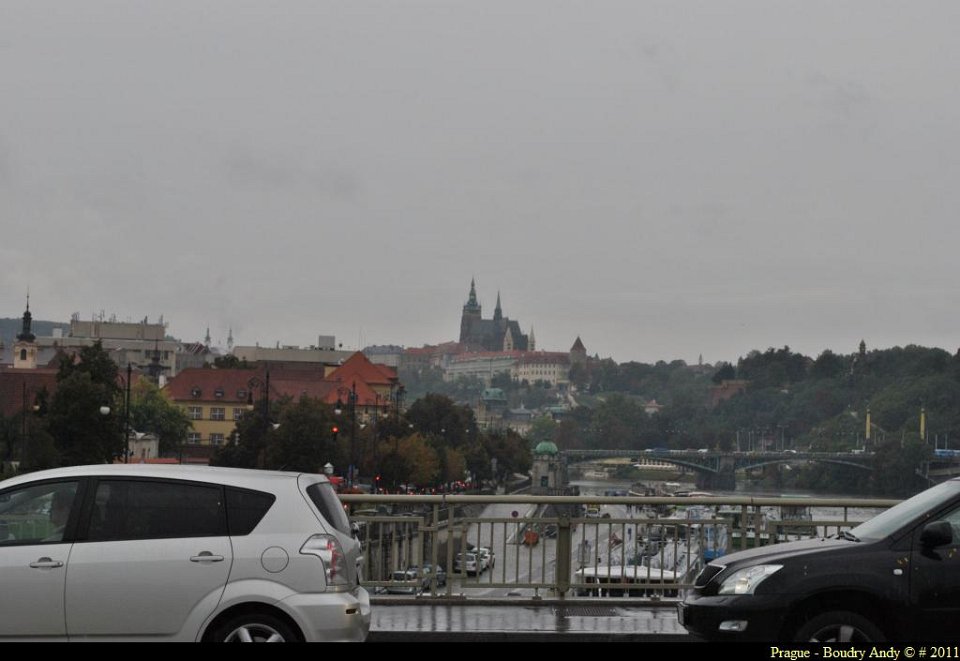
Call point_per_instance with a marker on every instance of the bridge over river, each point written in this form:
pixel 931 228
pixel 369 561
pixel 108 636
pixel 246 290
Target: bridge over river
pixel 717 469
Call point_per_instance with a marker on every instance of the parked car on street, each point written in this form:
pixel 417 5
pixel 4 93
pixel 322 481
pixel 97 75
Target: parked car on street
pixel 406 581
pixel 894 577
pixel 177 553
pixel 468 563
pixel 488 558
pixel 428 570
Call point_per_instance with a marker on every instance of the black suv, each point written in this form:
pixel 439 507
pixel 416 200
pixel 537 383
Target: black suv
pixel 895 577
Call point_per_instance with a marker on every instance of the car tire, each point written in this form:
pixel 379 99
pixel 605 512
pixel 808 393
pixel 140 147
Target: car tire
pixel 839 626
pixel 255 628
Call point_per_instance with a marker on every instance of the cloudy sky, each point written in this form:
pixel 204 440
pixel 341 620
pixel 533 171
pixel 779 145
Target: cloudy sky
pixel 663 179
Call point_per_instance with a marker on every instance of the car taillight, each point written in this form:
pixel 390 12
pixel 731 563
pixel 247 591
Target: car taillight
pixel 328 549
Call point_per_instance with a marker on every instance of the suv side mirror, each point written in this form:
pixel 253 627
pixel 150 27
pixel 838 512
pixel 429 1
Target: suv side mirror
pixel 937 533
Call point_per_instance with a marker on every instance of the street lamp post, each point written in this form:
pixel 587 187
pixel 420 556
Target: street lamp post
pixel 126 415
pixel 351 395
pixel 23 417
pixel 400 392
pixel 264 387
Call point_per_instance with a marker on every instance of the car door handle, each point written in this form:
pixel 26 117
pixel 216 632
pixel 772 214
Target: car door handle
pixel 206 556
pixel 46 563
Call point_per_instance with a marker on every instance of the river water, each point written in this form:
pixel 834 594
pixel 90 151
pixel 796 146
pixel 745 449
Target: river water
pixel 858 514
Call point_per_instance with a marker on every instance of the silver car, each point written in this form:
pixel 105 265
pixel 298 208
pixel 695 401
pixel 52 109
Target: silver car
pixel 179 553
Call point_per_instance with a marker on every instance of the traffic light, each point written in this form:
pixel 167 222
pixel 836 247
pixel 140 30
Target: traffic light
pixel 335 430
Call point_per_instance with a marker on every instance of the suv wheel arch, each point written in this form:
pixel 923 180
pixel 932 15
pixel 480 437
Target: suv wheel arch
pixel 252 614
pixel 839 626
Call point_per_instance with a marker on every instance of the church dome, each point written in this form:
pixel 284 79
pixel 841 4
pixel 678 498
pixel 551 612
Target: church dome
pixel 546 447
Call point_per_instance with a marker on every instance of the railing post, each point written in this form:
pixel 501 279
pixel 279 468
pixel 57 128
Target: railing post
pixel 744 526
pixel 564 555
pixel 451 518
pixel 435 547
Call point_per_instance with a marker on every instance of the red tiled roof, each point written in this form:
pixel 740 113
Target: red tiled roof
pixel 449 347
pixel 12 382
pixel 359 368
pixel 359 375
pixel 542 357
pixel 231 381
pixel 296 386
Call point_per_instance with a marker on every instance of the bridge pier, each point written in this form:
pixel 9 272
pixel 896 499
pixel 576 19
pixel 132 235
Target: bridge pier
pixel 725 478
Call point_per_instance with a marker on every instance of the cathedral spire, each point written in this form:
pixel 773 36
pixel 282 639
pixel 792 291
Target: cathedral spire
pixel 472 300
pixel 497 312
pixel 206 339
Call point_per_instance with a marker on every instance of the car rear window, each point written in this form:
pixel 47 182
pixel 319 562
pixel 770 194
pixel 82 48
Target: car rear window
pixel 325 499
pixel 245 509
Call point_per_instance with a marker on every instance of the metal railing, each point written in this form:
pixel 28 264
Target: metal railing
pixel 492 547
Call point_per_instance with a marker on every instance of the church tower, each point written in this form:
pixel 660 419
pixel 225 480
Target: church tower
pixel 25 348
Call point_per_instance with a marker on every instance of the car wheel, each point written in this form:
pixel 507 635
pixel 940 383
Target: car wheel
pixel 839 626
pixel 255 628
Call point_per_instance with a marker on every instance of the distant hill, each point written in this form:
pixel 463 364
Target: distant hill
pixel 9 328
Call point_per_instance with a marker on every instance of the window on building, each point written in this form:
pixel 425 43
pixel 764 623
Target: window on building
pixel 193 437
pixel 195 412
pixel 216 439
pixel 217 413
pixel 237 414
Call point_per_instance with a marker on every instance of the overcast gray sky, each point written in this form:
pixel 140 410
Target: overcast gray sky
pixel 664 179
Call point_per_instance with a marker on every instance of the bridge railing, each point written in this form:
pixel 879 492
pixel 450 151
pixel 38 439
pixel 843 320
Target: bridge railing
pixel 477 547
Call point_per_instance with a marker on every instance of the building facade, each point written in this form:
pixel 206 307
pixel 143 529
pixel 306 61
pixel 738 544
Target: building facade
pixel 482 365
pixel 214 400
pixel 551 367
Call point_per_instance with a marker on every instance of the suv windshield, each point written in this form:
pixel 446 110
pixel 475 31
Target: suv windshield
pixel 888 522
